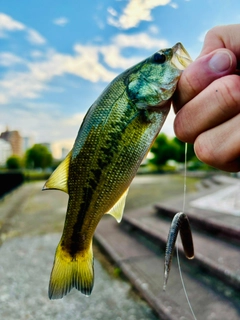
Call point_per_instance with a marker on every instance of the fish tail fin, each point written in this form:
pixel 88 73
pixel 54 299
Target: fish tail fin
pixel 71 272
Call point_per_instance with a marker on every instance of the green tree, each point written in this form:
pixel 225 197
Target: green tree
pixel 163 150
pixel 38 157
pixel 180 150
pixel 14 162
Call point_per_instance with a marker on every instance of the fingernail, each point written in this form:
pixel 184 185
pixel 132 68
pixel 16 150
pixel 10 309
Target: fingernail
pixel 220 62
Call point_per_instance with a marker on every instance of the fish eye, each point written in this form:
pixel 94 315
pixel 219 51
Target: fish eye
pixel 159 57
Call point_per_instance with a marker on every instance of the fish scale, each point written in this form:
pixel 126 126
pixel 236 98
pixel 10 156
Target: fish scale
pixel 116 134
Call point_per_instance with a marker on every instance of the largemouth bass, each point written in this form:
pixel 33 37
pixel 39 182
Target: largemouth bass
pixel 116 134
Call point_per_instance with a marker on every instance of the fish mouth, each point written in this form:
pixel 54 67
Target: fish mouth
pixel 180 59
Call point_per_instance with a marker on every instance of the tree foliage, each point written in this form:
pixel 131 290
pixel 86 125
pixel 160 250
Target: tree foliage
pixel 14 162
pixel 165 149
pixel 38 157
pixel 180 150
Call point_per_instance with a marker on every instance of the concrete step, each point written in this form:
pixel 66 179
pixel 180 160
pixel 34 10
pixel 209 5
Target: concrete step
pixel 202 220
pixel 142 263
pixel 219 258
pixel 223 222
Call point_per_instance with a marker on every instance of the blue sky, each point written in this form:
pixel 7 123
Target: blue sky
pixel 57 56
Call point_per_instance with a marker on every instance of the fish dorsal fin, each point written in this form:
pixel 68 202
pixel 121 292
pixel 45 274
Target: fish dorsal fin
pixel 59 178
pixel 117 210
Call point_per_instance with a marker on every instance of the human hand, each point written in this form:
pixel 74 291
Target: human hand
pixel 207 100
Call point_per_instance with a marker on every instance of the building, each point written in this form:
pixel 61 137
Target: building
pixel 65 152
pixel 28 142
pixel 5 151
pixel 15 140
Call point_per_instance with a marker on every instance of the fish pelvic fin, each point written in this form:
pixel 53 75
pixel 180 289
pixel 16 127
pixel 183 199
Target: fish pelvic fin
pixel 71 272
pixel 59 178
pixel 117 210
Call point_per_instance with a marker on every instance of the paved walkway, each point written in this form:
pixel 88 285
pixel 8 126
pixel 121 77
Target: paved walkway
pixel 26 219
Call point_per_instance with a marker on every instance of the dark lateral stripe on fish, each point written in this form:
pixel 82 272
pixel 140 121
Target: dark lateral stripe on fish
pixel 107 152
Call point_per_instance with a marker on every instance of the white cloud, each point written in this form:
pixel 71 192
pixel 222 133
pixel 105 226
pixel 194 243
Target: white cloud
pixel 74 120
pixel 61 21
pixel 174 5
pixel 112 11
pixel 31 83
pixel 135 12
pixel 9 24
pixel 114 59
pixel 3 98
pixel 112 53
pixel 34 37
pixel 153 29
pixel 20 85
pixel 37 54
pixel 140 40
pixel 8 59
pixel 84 63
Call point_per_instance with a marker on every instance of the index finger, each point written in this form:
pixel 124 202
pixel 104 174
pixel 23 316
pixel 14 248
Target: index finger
pixel 222 37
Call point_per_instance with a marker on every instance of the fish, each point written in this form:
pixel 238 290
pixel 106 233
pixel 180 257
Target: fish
pixel 116 134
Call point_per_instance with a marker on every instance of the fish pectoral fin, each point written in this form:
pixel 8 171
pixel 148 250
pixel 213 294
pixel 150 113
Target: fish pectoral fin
pixel 59 178
pixel 117 210
pixel 71 272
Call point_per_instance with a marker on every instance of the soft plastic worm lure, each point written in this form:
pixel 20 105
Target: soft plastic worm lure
pixel 180 223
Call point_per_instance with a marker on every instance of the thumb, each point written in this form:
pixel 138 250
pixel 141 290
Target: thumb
pixel 201 73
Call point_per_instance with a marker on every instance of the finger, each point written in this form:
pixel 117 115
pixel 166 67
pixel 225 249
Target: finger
pixel 222 37
pixel 201 73
pixel 220 146
pixel 219 102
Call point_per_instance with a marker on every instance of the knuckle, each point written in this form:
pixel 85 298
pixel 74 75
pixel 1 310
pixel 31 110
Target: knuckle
pixel 215 32
pixel 205 151
pixel 190 84
pixel 193 84
pixel 182 129
pixel 178 128
pixel 210 33
pixel 230 94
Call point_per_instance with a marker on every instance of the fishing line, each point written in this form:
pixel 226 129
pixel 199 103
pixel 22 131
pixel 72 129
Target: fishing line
pixel 177 253
pixel 185 178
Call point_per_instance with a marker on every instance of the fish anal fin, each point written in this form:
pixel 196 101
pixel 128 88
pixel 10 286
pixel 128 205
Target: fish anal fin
pixel 117 210
pixel 71 272
pixel 59 178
